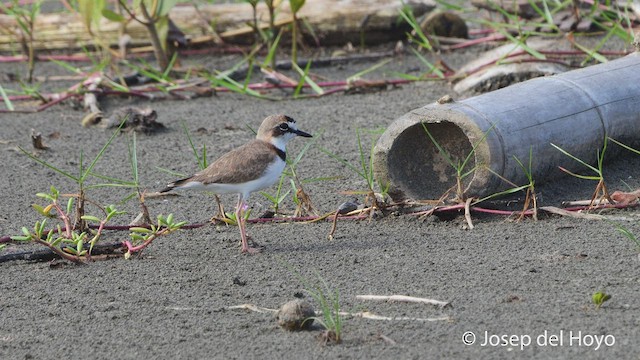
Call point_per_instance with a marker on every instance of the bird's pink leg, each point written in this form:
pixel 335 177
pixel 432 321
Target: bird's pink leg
pixel 241 225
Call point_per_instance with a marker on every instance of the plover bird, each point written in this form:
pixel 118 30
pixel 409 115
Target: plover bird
pixel 251 167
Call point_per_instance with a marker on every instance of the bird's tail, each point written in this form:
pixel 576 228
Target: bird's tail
pixel 173 185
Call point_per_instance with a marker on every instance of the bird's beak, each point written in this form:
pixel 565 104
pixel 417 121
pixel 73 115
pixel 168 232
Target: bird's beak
pixel 301 133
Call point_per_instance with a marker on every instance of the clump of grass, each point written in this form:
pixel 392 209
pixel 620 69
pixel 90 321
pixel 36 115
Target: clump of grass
pixel 364 169
pixel 459 165
pixel 329 301
pixel 531 199
pixel 420 39
pixel 601 191
pixel 84 173
pixel 25 16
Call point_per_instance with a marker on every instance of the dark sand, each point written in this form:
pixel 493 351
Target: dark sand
pixel 504 278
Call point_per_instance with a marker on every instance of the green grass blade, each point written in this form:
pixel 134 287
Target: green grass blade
pixel 502 193
pixel 304 75
pixel 625 146
pixel 432 68
pixel 406 76
pixel 343 162
pixel 521 44
pixel 88 170
pixel 407 14
pixel 46 164
pixel 584 177
pixel 7 101
pixel 359 75
pixel 272 51
pixel 442 151
pixel 575 158
pixel 66 66
pixel 202 161
pixel 170 172
pixel 133 157
pixel 305 148
pixel 172 61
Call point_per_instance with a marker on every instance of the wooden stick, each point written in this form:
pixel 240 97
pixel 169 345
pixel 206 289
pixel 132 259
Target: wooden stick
pixel 582 215
pixel 364 314
pixel 404 298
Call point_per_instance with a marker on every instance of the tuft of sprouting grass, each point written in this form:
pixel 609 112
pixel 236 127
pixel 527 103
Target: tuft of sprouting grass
pixel 420 39
pixel 460 166
pixel 531 200
pixel 300 197
pixel 25 15
pixel 364 169
pixel 329 301
pixel 601 191
pixel 82 177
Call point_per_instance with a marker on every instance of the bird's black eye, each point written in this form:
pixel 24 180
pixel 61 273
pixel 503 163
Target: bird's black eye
pixel 284 127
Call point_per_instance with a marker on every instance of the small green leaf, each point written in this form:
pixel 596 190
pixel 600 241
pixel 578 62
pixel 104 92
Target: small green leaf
pixel 70 250
pixel 90 218
pixel 40 228
pixel 179 225
pixel 43 195
pixel 140 230
pixel 113 16
pixel 56 242
pixel 599 298
pixel 54 192
pixel 296 5
pixel 137 237
pixel 21 238
pixel 70 205
pixel 25 231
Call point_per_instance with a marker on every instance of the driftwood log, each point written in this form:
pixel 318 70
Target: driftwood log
pixel 334 22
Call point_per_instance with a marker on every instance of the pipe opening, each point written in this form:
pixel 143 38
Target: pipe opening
pixel 417 166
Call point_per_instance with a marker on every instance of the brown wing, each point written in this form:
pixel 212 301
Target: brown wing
pixel 239 165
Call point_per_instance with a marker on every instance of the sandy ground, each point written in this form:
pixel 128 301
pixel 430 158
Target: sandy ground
pixel 531 280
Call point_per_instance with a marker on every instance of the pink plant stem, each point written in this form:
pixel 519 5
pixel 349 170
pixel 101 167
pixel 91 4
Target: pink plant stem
pixel 133 249
pixel 65 220
pixel 60 252
pixel 494 37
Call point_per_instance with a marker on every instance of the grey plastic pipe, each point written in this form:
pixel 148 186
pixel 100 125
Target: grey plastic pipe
pixel 574 111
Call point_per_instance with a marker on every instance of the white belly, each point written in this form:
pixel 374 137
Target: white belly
pixel 268 178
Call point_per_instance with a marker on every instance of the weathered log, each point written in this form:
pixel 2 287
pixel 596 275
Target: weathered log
pixel 334 22
pixel 575 110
